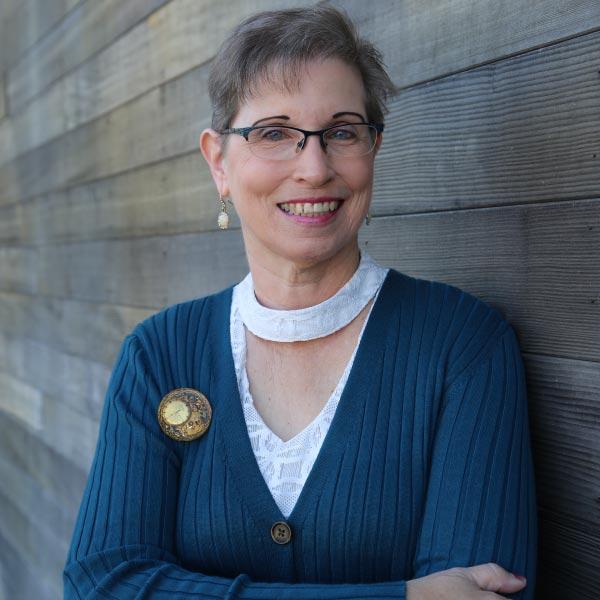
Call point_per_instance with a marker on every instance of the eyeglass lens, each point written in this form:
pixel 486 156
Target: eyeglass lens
pixel 280 142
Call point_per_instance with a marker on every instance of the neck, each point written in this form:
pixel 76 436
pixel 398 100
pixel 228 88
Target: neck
pixel 288 285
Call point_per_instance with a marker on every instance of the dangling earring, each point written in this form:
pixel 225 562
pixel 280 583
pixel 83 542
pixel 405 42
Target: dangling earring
pixel 368 218
pixel 223 218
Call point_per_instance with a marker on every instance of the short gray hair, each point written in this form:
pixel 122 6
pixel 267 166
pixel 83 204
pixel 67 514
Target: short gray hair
pixel 273 46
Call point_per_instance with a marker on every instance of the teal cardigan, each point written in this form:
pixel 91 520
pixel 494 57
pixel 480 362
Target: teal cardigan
pixel 426 465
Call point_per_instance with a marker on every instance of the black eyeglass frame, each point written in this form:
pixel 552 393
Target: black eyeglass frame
pixel 245 131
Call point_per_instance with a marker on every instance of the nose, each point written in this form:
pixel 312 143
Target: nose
pixel 312 164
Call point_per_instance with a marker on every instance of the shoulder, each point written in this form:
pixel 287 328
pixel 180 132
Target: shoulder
pixel 182 325
pixel 466 328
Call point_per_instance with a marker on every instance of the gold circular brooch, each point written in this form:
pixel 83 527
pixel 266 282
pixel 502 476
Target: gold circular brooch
pixel 184 414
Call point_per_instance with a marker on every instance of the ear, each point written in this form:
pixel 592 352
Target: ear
pixel 378 143
pixel 212 150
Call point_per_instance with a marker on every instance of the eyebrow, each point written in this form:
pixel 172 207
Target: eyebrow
pixel 286 118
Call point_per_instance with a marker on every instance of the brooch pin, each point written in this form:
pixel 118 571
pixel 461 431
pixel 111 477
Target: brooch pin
pixel 184 414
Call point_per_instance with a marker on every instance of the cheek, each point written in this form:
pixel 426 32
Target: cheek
pixel 252 177
pixel 359 177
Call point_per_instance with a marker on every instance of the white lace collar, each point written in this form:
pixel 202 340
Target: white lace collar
pixel 315 321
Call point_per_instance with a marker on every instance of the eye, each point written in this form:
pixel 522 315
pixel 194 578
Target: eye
pixel 272 134
pixel 342 133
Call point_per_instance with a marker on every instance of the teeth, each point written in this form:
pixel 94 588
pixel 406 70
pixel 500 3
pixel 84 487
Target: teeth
pixel 308 208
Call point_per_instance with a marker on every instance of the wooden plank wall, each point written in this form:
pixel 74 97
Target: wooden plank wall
pixel 489 179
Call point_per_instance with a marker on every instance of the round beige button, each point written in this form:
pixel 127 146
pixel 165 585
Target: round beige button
pixel 281 532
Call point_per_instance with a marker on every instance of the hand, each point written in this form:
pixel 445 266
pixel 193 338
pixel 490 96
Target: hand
pixel 469 583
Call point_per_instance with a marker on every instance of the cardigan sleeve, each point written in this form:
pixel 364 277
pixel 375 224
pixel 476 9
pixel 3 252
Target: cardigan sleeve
pixel 123 544
pixel 480 505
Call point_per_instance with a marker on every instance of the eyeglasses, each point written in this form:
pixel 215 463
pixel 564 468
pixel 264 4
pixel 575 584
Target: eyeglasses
pixel 280 142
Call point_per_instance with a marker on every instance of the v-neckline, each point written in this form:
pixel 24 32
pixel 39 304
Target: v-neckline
pixel 241 337
pixel 233 432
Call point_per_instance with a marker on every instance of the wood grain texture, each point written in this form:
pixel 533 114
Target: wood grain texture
pixel 60 478
pixel 89 330
pixel 145 272
pixel 161 124
pixel 501 133
pixel 427 40
pixel 518 130
pixel 22 401
pixel 536 263
pixel 39 550
pixel 23 491
pixel 88 28
pixel 79 383
pixel 18 579
pixel 569 562
pixel 2 97
pixel 24 22
pixel 176 38
pixel 564 400
pixel 170 197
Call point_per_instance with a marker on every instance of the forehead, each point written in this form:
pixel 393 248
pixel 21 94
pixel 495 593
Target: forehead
pixel 317 89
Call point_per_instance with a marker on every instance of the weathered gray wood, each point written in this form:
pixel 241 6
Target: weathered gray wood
pixel 569 562
pixel 22 401
pixel 61 479
pixel 2 97
pixel 426 40
pixel 537 263
pixel 519 130
pixel 24 22
pixel 564 400
pixel 39 550
pixel 11 224
pixel 501 255
pixel 79 383
pixel 174 196
pixel 89 330
pixel 18 268
pixel 19 579
pixel 22 491
pixel 173 40
pixel 444 146
pixel 164 123
pixel 88 28
pixel 49 418
pixel 145 272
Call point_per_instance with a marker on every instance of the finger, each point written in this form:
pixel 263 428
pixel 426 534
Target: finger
pixel 493 578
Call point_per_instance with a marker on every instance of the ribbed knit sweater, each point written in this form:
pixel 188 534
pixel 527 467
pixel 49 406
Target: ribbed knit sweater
pixel 426 465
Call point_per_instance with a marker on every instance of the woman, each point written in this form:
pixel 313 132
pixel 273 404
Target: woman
pixel 327 428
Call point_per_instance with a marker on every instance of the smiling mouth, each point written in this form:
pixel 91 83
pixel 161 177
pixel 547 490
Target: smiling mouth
pixel 309 209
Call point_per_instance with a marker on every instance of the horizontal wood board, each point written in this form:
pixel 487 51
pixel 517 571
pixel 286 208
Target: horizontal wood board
pixel 564 407
pixel 183 31
pixel 536 263
pixel 169 197
pixel 421 41
pixel 569 562
pixel 515 131
pixel 176 38
pixel 88 28
pixel 25 22
pixel 90 330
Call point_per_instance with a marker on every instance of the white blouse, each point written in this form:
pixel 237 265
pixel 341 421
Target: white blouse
pixel 285 465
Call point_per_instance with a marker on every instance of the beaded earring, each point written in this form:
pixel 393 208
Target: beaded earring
pixel 223 218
